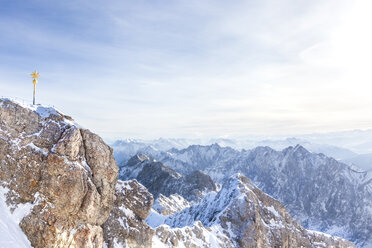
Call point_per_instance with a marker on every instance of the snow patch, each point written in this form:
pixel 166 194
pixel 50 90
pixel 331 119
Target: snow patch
pixel 155 219
pixel 273 211
pixel 11 234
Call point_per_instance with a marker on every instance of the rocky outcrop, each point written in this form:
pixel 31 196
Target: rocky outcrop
pixel 125 225
pixel 66 172
pixel 247 217
pixel 160 179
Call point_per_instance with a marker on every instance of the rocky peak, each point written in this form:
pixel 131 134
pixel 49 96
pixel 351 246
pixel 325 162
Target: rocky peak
pixel 66 173
pixel 297 151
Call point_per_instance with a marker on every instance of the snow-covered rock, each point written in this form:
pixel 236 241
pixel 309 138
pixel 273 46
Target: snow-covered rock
pixel 125 226
pixel 170 205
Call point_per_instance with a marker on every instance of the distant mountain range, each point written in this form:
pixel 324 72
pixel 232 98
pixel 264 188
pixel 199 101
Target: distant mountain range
pixel 318 191
pixel 352 147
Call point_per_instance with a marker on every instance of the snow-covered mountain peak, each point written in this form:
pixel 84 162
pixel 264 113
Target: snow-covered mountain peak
pixel 42 111
pixel 297 149
pixel 247 217
pixel 139 158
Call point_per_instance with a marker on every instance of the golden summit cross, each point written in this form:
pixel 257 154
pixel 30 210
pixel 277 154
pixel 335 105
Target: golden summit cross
pixel 35 75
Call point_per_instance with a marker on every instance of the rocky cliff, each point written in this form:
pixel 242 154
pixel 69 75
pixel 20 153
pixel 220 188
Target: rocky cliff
pixel 65 174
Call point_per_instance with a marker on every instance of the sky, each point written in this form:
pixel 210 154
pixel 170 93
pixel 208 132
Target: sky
pixel 193 68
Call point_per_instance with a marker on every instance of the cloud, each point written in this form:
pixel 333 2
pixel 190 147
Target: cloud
pixel 193 68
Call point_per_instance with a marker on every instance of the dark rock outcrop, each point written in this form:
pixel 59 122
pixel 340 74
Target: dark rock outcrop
pixel 160 179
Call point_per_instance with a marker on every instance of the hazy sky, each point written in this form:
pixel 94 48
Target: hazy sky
pixel 193 68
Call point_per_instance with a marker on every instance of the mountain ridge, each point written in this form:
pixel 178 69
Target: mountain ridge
pixel 312 186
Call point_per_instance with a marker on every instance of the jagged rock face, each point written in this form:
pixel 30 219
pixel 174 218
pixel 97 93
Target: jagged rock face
pixel 160 179
pixel 100 159
pixel 320 192
pixel 249 218
pixel 170 205
pixel 67 172
pixel 125 225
